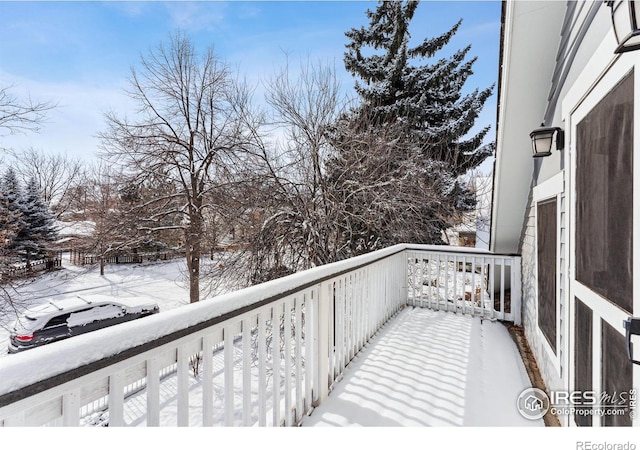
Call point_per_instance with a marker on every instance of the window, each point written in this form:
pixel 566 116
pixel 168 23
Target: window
pixel 604 197
pixel 57 321
pixel 547 223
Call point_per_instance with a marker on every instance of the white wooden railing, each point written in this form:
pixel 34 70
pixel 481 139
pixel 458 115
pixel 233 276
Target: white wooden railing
pixel 464 280
pixel 265 355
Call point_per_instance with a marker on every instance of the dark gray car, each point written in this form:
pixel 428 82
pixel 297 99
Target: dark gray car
pixel 61 319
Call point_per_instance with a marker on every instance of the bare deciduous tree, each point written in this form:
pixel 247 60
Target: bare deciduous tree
pixel 299 213
pixel 58 176
pixel 113 228
pixel 18 115
pixel 189 128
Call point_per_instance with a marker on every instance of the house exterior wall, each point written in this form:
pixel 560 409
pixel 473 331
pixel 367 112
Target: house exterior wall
pixel 582 32
pixel 552 364
pixel 586 69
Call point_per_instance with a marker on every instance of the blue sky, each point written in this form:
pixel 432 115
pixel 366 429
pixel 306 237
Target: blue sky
pixel 80 53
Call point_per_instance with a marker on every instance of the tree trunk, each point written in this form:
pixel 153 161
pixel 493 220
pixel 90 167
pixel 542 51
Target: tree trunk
pixel 193 246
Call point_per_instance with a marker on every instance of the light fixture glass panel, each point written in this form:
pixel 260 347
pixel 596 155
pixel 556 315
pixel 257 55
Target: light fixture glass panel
pixel 542 144
pixel 621 20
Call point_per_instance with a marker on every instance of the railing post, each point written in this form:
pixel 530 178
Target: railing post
pixel 71 409
pixel 322 344
pixel 404 287
pixel 116 400
pixel 516 290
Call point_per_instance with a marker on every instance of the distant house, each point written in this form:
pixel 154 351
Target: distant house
pixel 571 213
pixel 473 229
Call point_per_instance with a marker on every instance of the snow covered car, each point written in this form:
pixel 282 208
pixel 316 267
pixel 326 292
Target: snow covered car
pixel 61 319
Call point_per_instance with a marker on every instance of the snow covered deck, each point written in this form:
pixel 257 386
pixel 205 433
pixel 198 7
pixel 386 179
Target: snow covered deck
pixel 430 368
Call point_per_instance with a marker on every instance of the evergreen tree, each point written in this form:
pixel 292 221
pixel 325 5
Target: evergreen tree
pixel 8 231
pixel 39 230
pixel 11 208
pixel 416 102
pixel 401 86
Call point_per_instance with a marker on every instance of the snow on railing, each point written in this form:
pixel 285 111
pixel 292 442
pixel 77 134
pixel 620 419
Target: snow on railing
pixel 265 355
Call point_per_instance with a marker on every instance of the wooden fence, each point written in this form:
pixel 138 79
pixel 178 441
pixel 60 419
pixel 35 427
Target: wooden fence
pixel 82 258
pixel 25 269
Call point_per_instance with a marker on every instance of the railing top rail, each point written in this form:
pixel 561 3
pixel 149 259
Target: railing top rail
pixel 453 249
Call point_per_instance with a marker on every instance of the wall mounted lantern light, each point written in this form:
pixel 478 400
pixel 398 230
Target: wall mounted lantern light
pixel 625 15
pixel 632 325
pixel 542 140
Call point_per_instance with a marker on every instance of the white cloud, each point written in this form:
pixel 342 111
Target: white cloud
pixel 72 126
pixel 129 9
pixel 196 16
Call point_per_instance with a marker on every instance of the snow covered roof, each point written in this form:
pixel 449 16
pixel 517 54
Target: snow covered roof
pixel 78 228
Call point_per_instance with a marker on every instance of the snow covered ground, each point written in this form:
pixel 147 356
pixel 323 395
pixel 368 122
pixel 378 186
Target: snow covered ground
pixel 163 282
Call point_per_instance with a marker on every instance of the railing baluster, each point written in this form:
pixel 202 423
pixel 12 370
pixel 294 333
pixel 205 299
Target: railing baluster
pixel 183 387
pixel 502 276
pixel 360 311
pixel 275 332
pixel 355 313
pixel 373 299
pixel 474 285
pixel 299 355
pixel 439 281
pixel 309 356
pixel 322 343
pixel 153 393
pixel 465 304
pixel 262 370
pixel 491 289
pixel 419 281
pixel 207 380
pixel 447 276
pixel 352 316
pixel 483 290
pixel 347 319
pixel 287 363
pixel 229 395
pixel 339 327
pixel 246 372
pixel 412 270
pixel 453 284
pixel 331 306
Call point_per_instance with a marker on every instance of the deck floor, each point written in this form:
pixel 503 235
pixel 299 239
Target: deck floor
pixel 430 368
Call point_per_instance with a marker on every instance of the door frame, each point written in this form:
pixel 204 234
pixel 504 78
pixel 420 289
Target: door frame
pixel 601 74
